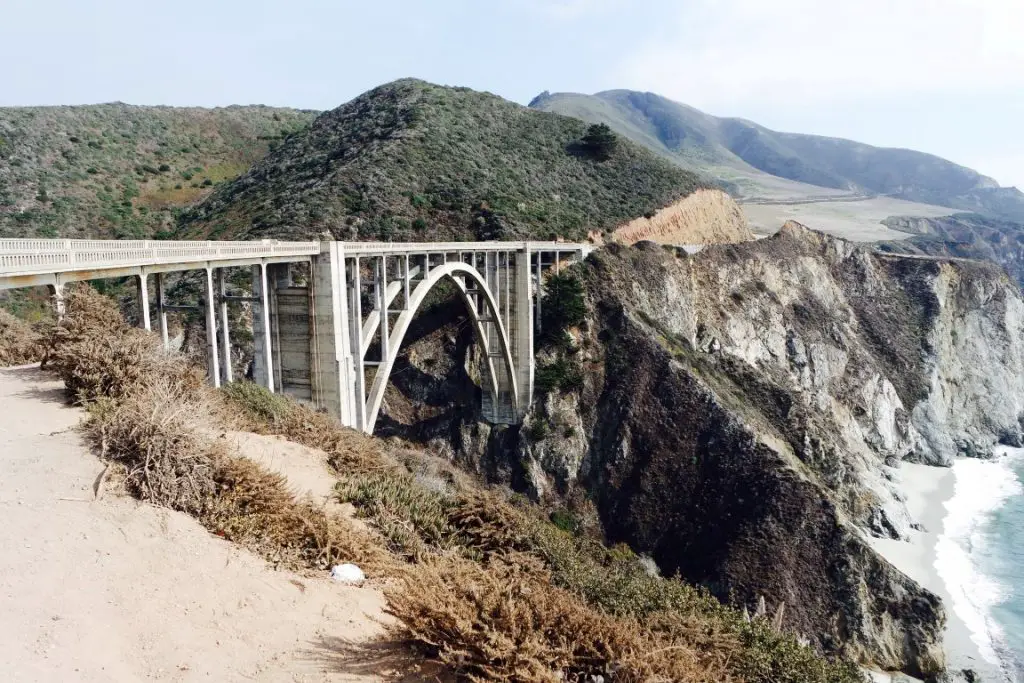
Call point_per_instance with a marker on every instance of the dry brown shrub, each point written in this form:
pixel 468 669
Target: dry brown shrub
pixel 155 432
pixel 97 354
pixel 162 434
pixel 20 341
pixel 256 508
pixel 497 623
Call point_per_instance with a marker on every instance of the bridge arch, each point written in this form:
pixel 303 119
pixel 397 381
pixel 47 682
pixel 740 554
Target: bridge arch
pixel 458 273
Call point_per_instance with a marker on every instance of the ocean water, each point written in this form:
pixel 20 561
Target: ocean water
pixel 980 556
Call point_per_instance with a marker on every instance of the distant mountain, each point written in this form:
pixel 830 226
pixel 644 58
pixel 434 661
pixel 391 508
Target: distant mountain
pixel 721 146
pixel 116 170
pixel 413 160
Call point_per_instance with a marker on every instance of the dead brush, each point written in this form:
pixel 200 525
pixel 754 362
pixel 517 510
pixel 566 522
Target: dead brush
pixel 20 341
pixel 171 458
pixel 497 623
pixel 97 354
pixel 153 432
pixel 256 508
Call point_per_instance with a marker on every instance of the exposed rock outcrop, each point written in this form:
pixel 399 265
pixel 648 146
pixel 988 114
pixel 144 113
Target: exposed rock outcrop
pixel 704 217
pixel 742 410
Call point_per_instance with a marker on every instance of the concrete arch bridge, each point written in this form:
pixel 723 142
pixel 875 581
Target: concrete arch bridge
pixel 328 332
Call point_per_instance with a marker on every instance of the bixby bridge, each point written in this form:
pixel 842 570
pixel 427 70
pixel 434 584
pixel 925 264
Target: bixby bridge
pixel 328 317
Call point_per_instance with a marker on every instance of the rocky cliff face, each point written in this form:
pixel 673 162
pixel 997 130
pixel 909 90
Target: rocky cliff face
pixel 743 410
pixel 963 235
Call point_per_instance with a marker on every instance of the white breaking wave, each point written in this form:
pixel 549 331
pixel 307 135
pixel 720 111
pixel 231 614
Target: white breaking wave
pixel 981 488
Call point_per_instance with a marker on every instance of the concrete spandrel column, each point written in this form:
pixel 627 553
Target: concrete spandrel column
pixel 213 362
pixel 540 288
pixel 524 361
pixel 58 301
pixel 508 291
pixel 225 326
pixel 405 283
pixel 385 345
pixel 263 361
pixel 142 288
pixel 161 311
pixel 358 352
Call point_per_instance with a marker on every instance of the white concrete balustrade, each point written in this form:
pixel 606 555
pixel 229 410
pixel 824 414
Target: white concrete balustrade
pixel 313 338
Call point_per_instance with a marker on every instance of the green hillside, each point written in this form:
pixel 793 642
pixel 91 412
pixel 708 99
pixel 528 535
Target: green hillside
pixel 694 139
pixel 116 170
pixel 412 160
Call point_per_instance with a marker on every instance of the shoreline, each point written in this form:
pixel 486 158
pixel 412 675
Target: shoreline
pixel 928 491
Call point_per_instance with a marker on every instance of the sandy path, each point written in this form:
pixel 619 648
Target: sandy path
pixel 114 590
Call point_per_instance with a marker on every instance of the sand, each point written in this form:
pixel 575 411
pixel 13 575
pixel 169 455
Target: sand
pixel 117 590
pixel 927 490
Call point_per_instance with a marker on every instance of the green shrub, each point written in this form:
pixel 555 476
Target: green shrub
pixel 563 308
pixel 164 168
pixel 558 375
pixel 259 403
pixel 600 141
pixel 537 430
pixel 565 520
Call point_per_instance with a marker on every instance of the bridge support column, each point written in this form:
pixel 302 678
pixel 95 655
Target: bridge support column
pixel 523 328
pixel 213 362
pixel 382 307
pixel 142 288
pixel 161 311
pixel 540 287
pixel 263 361
pixel 358 352
pixel 58 300
pixel 333 382
pixel 225 326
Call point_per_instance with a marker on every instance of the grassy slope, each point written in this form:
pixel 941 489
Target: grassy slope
pixel 414 160
pixel 693 138
pixel 115 170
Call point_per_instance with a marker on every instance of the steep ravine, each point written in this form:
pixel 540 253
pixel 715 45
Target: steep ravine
pixel 743 412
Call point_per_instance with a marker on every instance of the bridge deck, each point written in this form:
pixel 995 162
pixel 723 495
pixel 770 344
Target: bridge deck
pixel 27 262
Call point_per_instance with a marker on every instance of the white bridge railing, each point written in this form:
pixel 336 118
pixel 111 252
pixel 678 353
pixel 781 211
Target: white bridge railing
pixel 29 256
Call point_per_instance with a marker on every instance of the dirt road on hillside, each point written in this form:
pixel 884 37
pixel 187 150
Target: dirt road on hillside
pixel 114 590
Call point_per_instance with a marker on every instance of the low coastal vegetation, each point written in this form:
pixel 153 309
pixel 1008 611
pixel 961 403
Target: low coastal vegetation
pixel 122 171
pixel 477 579
pixel 411 160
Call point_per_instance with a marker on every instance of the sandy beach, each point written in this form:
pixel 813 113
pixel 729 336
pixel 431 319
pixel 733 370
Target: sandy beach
pixel 928 490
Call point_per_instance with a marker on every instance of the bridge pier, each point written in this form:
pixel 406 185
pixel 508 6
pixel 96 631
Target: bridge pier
pixel 209 304
pixel 161 310
pixel 225 326
pixel 58 300
pixel 263 361
pixel 142 289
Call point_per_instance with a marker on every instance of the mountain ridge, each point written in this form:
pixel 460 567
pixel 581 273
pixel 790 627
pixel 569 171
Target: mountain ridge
pixel 728 145
pixel 411 158
pixel 123 171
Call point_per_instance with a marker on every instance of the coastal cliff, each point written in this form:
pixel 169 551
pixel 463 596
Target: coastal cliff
pixel 742 413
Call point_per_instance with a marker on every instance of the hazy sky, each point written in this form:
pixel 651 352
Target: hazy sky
pixel 942 76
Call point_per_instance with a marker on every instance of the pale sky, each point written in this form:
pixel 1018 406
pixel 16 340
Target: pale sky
pixel 941 76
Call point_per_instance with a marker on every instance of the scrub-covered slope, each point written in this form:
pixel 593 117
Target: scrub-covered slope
pixel 412 160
